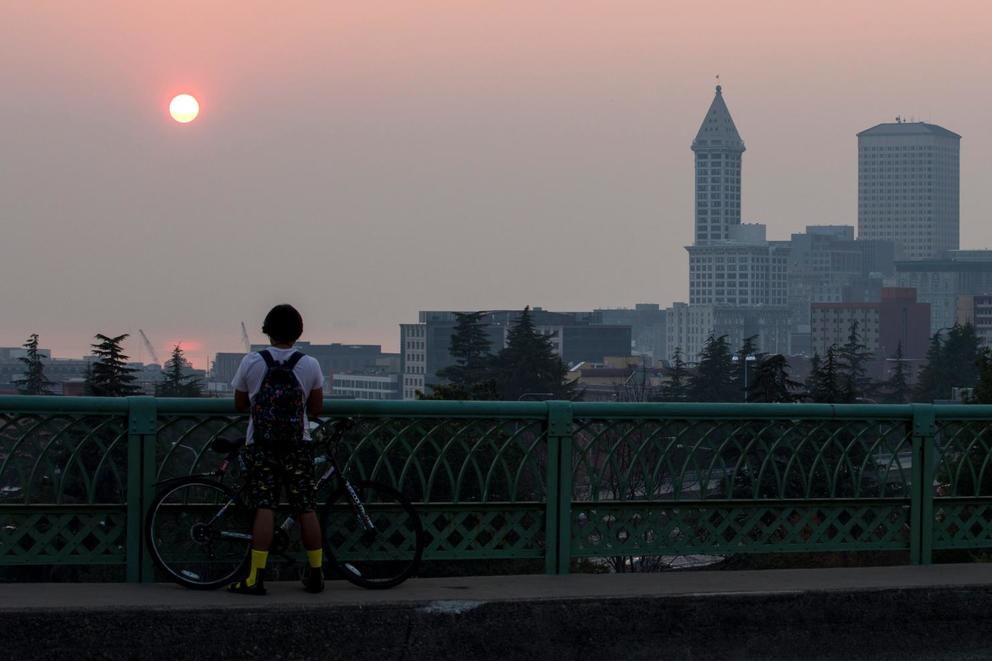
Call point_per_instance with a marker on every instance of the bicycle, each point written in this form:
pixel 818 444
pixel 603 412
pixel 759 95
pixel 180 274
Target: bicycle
pixel 198 529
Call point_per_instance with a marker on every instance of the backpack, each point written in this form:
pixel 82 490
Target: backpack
pixel 277 410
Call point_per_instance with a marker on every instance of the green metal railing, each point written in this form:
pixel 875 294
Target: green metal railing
pixel 551 481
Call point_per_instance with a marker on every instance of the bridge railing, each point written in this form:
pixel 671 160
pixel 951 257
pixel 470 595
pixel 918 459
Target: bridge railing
pixel 533 480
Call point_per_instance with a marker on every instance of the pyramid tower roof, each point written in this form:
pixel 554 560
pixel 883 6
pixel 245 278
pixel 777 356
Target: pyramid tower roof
pixel 718 130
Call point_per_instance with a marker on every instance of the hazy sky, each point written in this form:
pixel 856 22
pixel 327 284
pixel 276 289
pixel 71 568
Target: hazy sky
pixel 365 160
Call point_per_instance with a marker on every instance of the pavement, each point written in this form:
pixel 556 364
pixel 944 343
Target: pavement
pixel 485 589
pixel 936 613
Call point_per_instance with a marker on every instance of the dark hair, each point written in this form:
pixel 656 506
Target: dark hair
pixel 283 324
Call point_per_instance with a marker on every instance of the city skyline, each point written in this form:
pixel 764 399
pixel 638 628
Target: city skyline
pixel 379 181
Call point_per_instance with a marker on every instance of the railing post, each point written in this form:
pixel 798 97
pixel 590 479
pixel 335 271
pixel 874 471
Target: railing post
pixel 141 425
pixel 558 547
pixel 921 505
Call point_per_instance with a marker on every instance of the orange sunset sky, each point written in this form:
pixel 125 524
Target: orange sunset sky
pixel 364 160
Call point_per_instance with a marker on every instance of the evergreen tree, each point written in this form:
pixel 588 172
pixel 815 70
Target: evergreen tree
pixel 713 380
pixel 33 381
pixel 472 375
pixel 896 388
pixel 960 358
pixel 676 390
pixel 176 378
pixel 951 363
pixel 771 382
pixel 983 389
pixel 109 375
pixel 932 378
pixel 529 364
pixel 824 383
pixel 853 357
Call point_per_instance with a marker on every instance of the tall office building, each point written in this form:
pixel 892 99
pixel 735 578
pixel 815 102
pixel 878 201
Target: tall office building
pixel 718 148
pixel 908 187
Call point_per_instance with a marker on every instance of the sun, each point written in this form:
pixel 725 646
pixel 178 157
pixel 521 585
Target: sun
pixel 184 108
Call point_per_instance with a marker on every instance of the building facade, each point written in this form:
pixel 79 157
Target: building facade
pixel 940 282
pixel 908 187
pixel 898 319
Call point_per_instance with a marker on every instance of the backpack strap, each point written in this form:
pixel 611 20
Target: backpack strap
pixel 292 360
pixel 270 362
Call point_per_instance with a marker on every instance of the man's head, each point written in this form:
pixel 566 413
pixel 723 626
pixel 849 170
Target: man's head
pixel 283 324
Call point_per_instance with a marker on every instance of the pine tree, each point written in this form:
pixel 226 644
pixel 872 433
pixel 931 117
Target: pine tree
pixel 34 381
pixel 176 378
pixel 853 357
pixel 896 388
pixel 713 380
pixel 472 375
pixel 109 374
pixel 676 390
pixel 824 383
pixel 529 364
pixel 960 358
pixel 932 378
pixel 983 389
pixel 771 382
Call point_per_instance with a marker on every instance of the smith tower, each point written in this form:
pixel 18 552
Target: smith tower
pixel 718 148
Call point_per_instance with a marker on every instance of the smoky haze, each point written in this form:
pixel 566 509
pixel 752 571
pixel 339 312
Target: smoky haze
pixel 366 160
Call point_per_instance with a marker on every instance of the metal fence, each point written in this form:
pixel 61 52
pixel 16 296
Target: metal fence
pixel 533 480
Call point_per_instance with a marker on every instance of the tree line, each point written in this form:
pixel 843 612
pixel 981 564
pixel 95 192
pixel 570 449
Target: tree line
pixel 108 373
pixel 955 359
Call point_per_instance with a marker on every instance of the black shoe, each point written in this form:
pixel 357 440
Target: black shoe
pixel 240 587
pixel 313 580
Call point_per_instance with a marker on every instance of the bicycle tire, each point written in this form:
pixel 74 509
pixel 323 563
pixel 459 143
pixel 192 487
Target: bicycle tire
pixel 174 523
pixel 359 556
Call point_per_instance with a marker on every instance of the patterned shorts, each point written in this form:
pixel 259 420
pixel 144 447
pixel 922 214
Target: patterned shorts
pixel 267 473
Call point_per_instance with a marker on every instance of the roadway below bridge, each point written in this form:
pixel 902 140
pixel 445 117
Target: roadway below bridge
pixel 931 612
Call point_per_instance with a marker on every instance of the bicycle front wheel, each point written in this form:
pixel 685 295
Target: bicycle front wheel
pixel 373 535
pixel 199 533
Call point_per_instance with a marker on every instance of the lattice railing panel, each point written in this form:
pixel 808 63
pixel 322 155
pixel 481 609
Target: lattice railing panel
pixel 496 530
pixel 62 537
pixel 637 529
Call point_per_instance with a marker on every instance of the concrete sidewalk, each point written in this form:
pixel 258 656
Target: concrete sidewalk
pixel 485 589
pixel 936 613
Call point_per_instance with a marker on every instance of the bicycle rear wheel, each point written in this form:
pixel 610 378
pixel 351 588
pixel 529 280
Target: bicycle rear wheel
pixel 378 556
pixel 199 533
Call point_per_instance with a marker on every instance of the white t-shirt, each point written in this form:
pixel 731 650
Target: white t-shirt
pixel 252 370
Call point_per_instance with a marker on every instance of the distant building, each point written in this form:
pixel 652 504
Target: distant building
pixel 413 359
pixel 940 282
pixel 718 149
pixel 908 187
pixel 897 319
pixel 827 265
pixel 647 323
pixel 371 386
pixel 977 311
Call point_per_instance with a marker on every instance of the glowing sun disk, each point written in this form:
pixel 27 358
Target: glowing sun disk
pixel 184 108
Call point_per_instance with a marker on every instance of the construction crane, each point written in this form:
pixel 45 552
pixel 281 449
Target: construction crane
pixel 244 338
pixel 148 347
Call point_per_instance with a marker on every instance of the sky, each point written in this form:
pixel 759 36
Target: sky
pixel 366 160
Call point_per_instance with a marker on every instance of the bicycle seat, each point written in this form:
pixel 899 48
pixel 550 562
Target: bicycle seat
pixel 227 445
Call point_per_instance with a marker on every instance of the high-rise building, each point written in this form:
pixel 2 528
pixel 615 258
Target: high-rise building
pixel 718 148
pixel 908 187
pixel 940 282
pixel 737 278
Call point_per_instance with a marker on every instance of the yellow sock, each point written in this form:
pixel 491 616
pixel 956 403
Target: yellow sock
pixel 316 558
pixel 258 560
